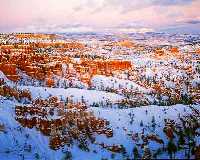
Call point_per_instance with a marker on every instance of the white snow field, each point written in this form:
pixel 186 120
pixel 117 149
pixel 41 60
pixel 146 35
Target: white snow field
pixel 89 96
pixel 18 142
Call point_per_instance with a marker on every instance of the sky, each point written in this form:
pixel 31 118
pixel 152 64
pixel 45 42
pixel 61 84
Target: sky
pixel 99 15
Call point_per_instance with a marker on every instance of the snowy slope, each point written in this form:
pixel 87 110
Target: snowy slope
pixel 8 82
pixel 19 139
pixel 120 120
pixel 101 82
pixel 89 96
pixel 15 140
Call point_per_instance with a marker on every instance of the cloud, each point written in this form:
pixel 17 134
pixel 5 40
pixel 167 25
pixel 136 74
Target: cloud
pixel 53 28
pixel 129 5
pixel 171 2
pixel 133 30
pixel 193 22
pixel 66 15
pixel 79 28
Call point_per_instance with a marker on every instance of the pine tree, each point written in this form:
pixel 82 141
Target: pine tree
pixel 136 153
pixel 82 99
pixel 147 153
pixel 171 148
pixel 181 140
pixel 141 123
pixel 153 122
pixel 67 156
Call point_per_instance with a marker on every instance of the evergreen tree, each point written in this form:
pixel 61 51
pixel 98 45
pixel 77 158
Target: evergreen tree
pixel 136 153
pixel 181 140
pixel 67 156
pixel 153 123
pixel 141 123
pixel 147 153
pixel 153 119
pixel 171 148
pixel 82 99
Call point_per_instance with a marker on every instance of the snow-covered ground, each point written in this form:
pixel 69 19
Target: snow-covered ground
pixel 101 82
pixel 77 95
pixel 27 126
pixel 18 142
pixel 2 76
pixel 126 121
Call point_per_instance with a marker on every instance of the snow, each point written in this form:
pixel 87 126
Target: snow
pixel 170 84
pixel 17 140
pixel 120 122
pixel 168 71
pixel 9 82
pixel 89 96
pixel 149 74
pixel 196 82
pixel 16 137
pixel 101 82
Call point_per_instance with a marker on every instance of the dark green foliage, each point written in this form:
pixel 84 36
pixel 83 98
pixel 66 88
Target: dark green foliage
pixel 171 148
pixel 186 99
pixel 136 153
pixel 141 123
pixel 181 140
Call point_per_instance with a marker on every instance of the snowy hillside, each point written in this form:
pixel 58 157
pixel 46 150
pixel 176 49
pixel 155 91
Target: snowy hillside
pixel 29 143
pixel 99 96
